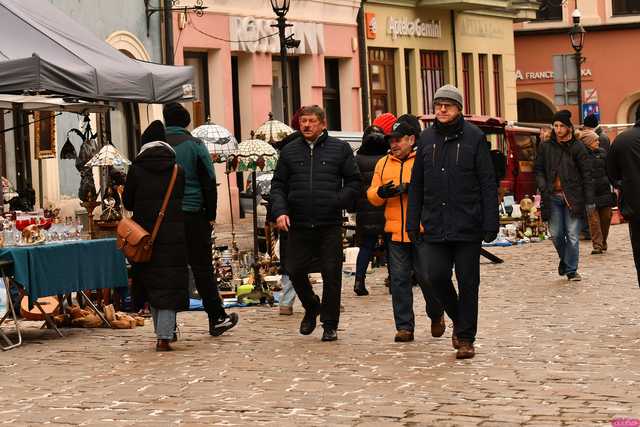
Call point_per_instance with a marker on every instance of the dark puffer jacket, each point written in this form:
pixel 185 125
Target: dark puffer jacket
pixel 570 162
pixel 163 280
pixel 453 190
pixel 313 186
pixel 369 219
pixel 603 197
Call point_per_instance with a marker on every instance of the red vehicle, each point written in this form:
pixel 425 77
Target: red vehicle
pixel 518 143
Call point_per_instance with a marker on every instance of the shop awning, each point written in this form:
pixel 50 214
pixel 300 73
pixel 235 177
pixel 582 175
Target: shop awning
pixel 50 103
pixel 44 51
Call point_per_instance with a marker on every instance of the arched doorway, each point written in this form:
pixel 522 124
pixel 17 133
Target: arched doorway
pixel 633 111
pixel 531 110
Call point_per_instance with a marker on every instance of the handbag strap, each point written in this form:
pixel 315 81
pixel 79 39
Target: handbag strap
pixel 165 202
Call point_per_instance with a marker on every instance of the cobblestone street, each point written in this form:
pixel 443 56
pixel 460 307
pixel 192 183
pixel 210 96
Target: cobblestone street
pixel 549 352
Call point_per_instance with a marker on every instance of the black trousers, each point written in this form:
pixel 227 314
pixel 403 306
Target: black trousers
pixel 326 244
pixel 198 235
pixel 465 257
pixel 634 234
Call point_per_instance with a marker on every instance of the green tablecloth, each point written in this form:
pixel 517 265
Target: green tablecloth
pixel 58 268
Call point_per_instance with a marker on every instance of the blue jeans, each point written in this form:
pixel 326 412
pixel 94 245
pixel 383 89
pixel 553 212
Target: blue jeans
pixel 288 295
pixel 164 323
pixel 367 246
pixel 405 258
pixel 565 232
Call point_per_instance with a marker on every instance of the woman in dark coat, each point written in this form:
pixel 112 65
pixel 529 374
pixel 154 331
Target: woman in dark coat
pixel 369 219
pixel 163 280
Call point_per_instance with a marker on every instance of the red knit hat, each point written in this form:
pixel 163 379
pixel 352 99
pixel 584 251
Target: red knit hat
pixel 385 122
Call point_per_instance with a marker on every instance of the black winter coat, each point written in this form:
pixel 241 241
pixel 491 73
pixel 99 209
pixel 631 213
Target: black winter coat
pixel 313 186
pixel 603 140
pixel 453 190
pixel 163 281
pixel 369 219
pixel 603 197
pixel 623 165
pixel 571 163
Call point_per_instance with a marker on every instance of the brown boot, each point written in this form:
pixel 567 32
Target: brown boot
pixel 437 327
pixel 466 350
pixel 454 341
pixel 403 336
pixel 286 310
pixel 163 345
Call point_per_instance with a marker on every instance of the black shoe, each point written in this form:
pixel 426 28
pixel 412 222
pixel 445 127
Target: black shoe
pixel 222 325
pixel 308 324
pixel 574 277
pixel 329 334
pixel 359 287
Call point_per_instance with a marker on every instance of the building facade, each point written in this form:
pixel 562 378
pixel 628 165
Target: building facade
pixel 414 47
pixel 545 66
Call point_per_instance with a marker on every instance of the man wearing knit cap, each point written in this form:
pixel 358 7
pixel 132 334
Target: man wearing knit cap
pixel 623 166
pixel 591 123
pixel 563 174
pixel 453 195
pixel 199 208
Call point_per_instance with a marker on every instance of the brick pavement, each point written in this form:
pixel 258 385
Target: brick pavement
pixel 549 353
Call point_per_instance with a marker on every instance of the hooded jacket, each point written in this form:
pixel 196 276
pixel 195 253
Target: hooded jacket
pixel 312 186
pixel 370 219
pixel 163 280
pixel 390 168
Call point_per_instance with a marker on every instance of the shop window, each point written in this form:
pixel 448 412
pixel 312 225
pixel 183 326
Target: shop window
pixel 382 81
pixel 565 80
pixel 199 62
pixel 331 93
pixel 484 84
pixel 497 83
pixel 407 77
pixel 467 79
pixel 550 10
pixel 625 7
pixel 433 75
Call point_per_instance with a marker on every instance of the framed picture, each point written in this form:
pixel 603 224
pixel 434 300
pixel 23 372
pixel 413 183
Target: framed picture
pixel 45 134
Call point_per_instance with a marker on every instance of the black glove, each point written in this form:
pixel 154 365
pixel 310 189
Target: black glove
pixel 387 191
pixel 490 236
pixel 415 236
pixel 403 188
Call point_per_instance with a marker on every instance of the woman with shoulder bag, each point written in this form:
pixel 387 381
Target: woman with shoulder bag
pixel 163 280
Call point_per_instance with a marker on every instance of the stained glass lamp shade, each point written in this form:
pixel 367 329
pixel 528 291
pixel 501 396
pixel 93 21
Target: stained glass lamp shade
pixel 273 131
pixel 253 155
pixel 108 156
pixel 218 140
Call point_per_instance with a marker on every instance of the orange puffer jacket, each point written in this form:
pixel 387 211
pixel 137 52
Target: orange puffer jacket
pixel 390 168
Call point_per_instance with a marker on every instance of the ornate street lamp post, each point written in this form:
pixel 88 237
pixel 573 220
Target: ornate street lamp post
pixel 280 8
pixel 576 34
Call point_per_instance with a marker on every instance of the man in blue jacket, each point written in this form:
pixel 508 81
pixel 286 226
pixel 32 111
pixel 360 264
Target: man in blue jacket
pixel 453 195
pixel 199 208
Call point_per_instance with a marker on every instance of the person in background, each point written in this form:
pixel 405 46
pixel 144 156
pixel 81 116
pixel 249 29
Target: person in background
pixel 163 281
pixel 199 207
pixel 384 121
pixel 454 197
pixel 369 219
pixel 623 166
pixel 315 179
pixel 563 175
pixel 591 123
pixel 603 197
pixel 389 188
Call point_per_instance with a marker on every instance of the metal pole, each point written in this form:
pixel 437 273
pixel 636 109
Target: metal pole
pixel 254 187
pixel 168 32
pixel 578 58
pixel 282 25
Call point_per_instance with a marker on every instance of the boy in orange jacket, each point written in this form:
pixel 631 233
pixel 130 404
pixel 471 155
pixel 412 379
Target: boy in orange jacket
pixel 390 187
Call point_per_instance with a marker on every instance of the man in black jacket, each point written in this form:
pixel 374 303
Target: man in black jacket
pixel 623 166
pixel 315 179
pixel 199 209
pixel 453 194
pixel 563 175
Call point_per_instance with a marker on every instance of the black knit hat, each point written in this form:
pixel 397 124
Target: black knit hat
pixel 154 132
pixel 563 116
pixel 591 121
pixel 176 115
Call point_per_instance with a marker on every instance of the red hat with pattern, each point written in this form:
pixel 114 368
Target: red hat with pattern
pixel 385 122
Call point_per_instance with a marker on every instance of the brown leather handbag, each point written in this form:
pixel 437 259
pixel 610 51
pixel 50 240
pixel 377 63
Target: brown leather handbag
pixel 134 241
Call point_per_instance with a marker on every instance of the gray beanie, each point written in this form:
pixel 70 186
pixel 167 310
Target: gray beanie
pixel 451 93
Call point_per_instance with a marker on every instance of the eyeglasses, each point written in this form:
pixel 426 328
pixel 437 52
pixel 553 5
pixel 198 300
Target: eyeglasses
pixel 438 105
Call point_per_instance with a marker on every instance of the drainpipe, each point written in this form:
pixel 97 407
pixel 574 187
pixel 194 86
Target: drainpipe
pixel 455 48
pixel 362 55
pixel 168 32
